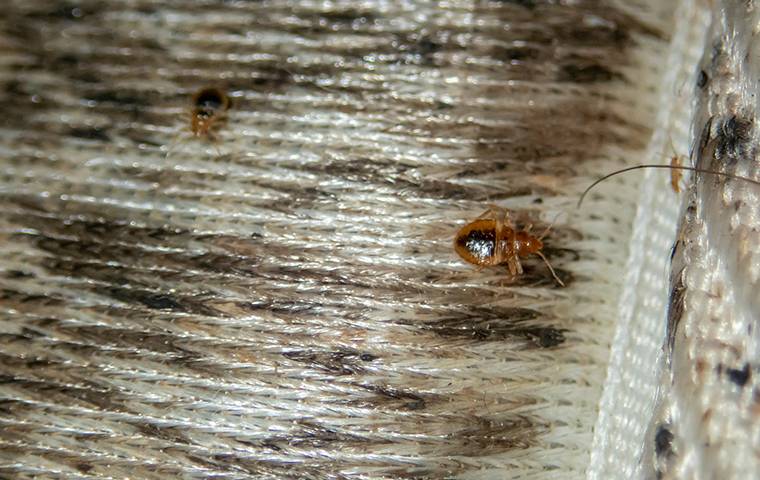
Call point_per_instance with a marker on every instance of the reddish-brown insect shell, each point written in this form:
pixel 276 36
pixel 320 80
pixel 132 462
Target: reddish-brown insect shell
pixel 210 105
pixel 490 240
pixel 675 173
pixel 476 242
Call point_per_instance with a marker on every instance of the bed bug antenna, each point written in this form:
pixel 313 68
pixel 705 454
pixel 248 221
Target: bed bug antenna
pixel 669 167
pixel 551 224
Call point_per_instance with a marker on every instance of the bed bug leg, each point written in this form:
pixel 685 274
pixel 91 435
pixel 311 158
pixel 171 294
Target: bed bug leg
pixel 514 265
pixel 492 212
pixel 173 146
pixel 506 220
pixel 500 215
pixel 215 144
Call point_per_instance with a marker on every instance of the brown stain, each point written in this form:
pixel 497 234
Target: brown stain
pixel 675 311
pixel 495 324
pixel 336 362
pixel 87 252
pixel 552 136
pixel 733 137
pixel 489 436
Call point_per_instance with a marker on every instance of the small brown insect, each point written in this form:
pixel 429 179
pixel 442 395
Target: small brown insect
pixel 492 240
pixel 676 173
pixel 210 105
pixel 208 109
pixel 676 161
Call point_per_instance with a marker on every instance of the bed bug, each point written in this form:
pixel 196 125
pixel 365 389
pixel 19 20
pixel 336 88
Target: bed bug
pixel 492 239
pixel 209 106
pixel 730 140
pixel 675 173
pixel 208 109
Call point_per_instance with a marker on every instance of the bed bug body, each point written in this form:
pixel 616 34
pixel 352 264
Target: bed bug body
pixel 208 109
pixel 676 173
pixel 492 240
pixel 209 106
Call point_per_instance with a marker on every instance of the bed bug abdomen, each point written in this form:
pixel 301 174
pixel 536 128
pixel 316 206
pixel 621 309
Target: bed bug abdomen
pixel 476 242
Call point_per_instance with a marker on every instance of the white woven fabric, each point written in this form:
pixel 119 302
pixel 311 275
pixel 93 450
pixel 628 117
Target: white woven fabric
pixel 294 307
pixel 629 394
pixel 707 424
pixel 702 370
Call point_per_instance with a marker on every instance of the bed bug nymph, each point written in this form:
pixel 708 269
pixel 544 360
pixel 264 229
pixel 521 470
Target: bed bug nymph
pixel 208 109
pixel 676 173
pixel 210 105
pixel 492 240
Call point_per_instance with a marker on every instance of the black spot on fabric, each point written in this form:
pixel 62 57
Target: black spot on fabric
pixel 663 441
pixel 529 4
pixel 702 79
pixel 675 309
pixel 90 134
pixel 586 74
pixel 548 337
pixel 734 137
pixel 739 377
